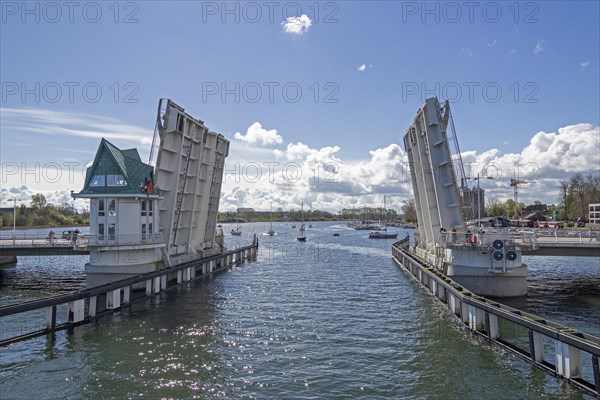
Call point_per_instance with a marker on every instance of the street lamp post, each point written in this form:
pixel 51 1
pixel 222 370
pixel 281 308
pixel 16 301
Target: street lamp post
pixel 478 206
pixel 14 220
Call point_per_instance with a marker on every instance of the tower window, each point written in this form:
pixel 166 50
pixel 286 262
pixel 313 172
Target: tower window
pixel 115 180
pixel 97 181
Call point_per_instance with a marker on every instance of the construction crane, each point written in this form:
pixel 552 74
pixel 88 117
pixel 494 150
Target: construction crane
pixel 515 183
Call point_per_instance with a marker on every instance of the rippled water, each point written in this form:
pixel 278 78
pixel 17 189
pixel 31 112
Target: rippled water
pixel 330 318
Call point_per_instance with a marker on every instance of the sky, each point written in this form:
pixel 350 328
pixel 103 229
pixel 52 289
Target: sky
pixel 314 96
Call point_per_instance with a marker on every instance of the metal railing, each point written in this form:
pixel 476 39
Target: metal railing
pixel 81 239
pixel 39 239
pixel 85 306
pixel 476 239
pixel 109 240
pixel 486 318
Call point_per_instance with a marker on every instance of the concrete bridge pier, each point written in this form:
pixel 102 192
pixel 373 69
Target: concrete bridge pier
pixel 493 328
pixel 8 260
pixel 50 317
pixel 113 299
pixel 536 346
pixel 93 306
pixel 454 304
pixel 568 360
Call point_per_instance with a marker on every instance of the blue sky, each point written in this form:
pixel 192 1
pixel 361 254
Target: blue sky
pixel 364 68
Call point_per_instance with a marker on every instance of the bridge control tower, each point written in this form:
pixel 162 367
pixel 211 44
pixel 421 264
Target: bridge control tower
pixel 142 215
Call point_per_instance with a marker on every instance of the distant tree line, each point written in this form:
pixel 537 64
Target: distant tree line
pixel 574 199
pixel 251 215
pixel 576 194
pixel 508 208
pixel 43 213
pixel 350 214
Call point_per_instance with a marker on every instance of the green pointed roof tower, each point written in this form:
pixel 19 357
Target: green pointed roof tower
pixel 118 172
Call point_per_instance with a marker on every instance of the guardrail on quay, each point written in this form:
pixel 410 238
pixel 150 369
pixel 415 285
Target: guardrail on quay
pixel 87 305
pixel 486 317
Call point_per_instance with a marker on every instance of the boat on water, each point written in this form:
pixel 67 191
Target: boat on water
pixel 487 264
pixel 383 234
pixel 302 237
pixel 363 226
pixel 336 234
pixel 237 231
pixel 271 231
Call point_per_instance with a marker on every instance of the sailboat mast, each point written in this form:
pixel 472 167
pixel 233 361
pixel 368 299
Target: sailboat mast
pixel 385 213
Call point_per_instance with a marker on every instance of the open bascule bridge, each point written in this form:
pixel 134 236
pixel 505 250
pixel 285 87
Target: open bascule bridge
pixel 152 225
pixel 466 271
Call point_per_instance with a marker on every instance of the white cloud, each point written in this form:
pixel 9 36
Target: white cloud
pixel 23 195
pixel 318 176
pixel 257 135
pixel 547 158
pixel 362 68
pixel 492 43
pixel 512 51
pixel 466 52
pixel 65 171
pixel 50 122
pixel 584 65
pixel 540 46
pixel 321 177
pixel 297 25
pixel 295 151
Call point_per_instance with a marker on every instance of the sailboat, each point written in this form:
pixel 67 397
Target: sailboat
pixel 301 237
pixel 384 234
pixel 271 231
pixel 237 231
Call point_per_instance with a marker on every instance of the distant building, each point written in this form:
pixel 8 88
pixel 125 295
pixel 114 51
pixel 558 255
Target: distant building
pixel 494 222
pixel 536 216
pixel 594 216
pixel 473 202
pixel 536 208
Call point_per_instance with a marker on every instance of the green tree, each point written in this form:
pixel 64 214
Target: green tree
pixel 494 208
pixel 576 193
pixel 38 201
pixel 6 220
pixel 409 209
